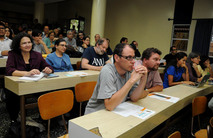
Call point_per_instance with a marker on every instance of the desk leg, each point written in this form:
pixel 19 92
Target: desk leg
pixel 23 117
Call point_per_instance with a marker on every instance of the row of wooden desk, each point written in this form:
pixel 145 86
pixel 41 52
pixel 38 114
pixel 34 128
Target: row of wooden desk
pixel 4 60
pixel 24 88
pixel 112 125
pixel 109 123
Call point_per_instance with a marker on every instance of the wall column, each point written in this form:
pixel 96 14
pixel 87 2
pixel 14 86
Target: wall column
pixel 97 19
pixel 39 11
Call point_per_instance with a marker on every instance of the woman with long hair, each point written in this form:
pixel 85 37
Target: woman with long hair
pixel 192 63
pixel 176 72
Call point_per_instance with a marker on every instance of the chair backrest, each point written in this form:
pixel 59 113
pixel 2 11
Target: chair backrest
pixel 55 103
pixel 84 90
pixel 78 65
pixel 209 131
pixel 176 134
pixel 199 105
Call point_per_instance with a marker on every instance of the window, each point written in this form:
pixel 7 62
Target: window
pixel 180 36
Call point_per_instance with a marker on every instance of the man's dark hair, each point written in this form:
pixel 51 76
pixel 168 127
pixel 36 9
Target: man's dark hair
pixel 36 33
pixel 16 42
pixel 123 39
pixel 148 53
pixel 171 48
pixel 119 49
pixel 57 42
pixel 2 24
pixel 100 41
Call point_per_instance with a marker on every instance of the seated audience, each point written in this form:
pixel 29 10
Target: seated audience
pixel 171 56
pixel 29 31
pixel 23 61
pixel 97 37
pixel 8 33
pixel 109 50
pixel 135 46
pixel 192 63
pixel 39 46
pixel 205 68
pixel 177 72
pixel 5 42
pixel 71 42
pixel 60 36
pixel 80 36
pixel 94 58
pixel 117 82
pixel 56 31
pixel 124 40
pixel 45 33
pixel 58 59
pixel 151 60
pixel 50 40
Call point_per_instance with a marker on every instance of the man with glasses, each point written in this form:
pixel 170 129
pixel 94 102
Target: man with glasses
pixel 118 82
pixel 4 41
pixel 151 60
pixel 171 56
pixel 94 58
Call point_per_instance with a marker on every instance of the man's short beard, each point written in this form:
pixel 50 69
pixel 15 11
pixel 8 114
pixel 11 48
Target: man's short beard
pixel 152 69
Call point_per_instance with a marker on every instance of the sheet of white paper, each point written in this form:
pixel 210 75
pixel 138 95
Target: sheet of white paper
pixel 126 109
pixel 33 77
pixel 77 73
pixel 164 97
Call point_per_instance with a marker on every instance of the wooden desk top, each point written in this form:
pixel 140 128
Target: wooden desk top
pixel 4 60
pixel 113 125
pixel 22 87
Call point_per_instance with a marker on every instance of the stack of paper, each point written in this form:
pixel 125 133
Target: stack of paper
pixel 33 77
pixel 126 109
pixel 77 73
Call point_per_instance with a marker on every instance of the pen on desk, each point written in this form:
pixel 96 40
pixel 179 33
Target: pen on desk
pixel 162 96
pixel 143 109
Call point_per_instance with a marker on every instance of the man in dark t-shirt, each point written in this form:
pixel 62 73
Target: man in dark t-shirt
pixel 94 58
pixel 172 55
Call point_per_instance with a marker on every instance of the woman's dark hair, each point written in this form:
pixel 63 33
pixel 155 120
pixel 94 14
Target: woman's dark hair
pixel 16 42
pixel 192 55
pixel 202 60
pixel 85 37
pixel 179 56
pixel 57 42
pixel 11 33
pixel 50 32
pixel 123 39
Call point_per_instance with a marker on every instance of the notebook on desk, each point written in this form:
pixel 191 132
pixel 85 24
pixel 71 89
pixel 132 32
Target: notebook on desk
pixel 202 82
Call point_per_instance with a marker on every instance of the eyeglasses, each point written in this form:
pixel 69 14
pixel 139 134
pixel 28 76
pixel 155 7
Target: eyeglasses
pixel 129 58
pixel 2 28
pixel 63 45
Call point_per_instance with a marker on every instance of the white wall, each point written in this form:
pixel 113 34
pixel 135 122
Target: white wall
pixel 141 20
